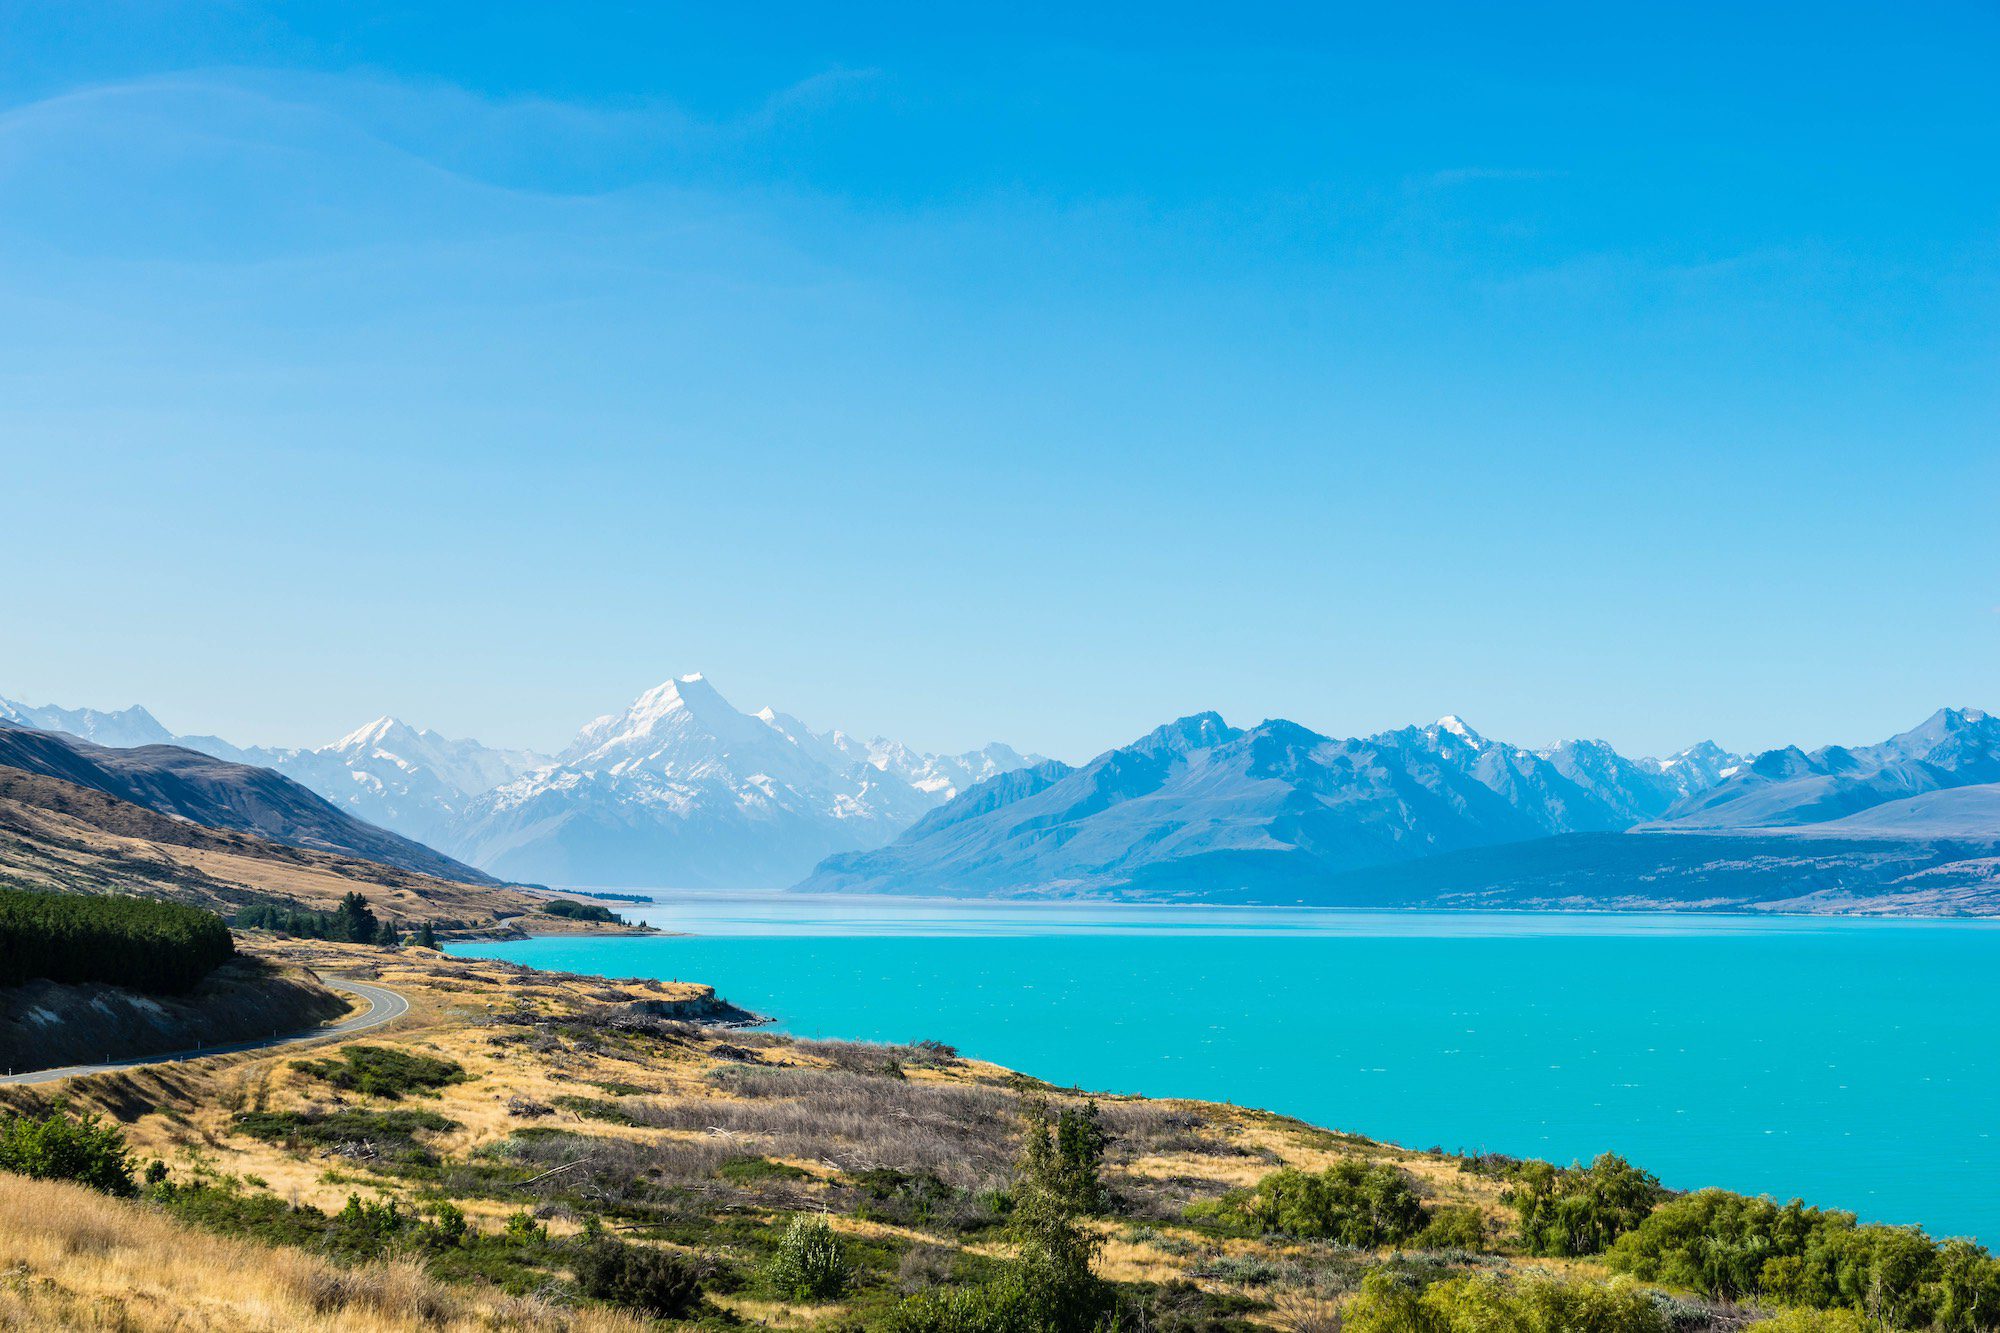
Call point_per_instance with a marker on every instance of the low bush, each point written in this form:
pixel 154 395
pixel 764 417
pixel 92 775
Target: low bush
pixel 1453 1229
pixel 1580 1210
pixel 1536 1303
pixel 810 1263
pixel 383 1071
pixel 1729 1247
pixel 390 1135
pixel 653 1281
pixel 60 1146
pixel 1350 1202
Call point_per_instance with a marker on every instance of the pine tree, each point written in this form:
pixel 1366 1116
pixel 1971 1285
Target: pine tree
pixel 353 921
pixel 426 937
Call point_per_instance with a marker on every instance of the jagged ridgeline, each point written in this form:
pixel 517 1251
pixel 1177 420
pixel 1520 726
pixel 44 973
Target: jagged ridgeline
pixel 135 943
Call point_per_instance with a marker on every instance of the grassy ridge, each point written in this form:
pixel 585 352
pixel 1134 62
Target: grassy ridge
pixel 131 942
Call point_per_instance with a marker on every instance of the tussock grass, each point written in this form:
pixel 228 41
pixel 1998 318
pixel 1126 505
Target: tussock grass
pixel 74 1259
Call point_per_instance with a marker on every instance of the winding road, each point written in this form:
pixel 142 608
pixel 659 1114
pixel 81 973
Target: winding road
pixel 384 1006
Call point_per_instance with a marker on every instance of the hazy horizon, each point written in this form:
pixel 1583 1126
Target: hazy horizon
pixel 1034 378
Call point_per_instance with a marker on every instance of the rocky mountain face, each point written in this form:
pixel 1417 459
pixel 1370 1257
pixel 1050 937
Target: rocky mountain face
pixel 1198 806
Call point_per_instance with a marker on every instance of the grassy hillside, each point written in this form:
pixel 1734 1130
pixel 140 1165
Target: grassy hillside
pixel 530 1136
pixel 188 784
pixel 58 835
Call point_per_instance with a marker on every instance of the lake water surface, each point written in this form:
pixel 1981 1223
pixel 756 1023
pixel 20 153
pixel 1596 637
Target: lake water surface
pixel 1852 1063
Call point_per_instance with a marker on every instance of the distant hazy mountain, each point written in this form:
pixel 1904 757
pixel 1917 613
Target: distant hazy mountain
pixel 120 729
pixel 1913 784
pixel 410 779
pixel 171 780
pixel 404 778
pixel 682 789
pixel 1201 807
pixel 678 789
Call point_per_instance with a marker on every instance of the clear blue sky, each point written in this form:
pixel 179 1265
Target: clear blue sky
pixel 1618 370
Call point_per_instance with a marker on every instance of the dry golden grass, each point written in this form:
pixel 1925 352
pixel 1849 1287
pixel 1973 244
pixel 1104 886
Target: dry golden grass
pixel 708 1096
pixel 74 1259
pixel 98 844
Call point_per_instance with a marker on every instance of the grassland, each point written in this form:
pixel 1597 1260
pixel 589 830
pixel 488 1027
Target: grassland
pixel 548 1110
pixel 56 835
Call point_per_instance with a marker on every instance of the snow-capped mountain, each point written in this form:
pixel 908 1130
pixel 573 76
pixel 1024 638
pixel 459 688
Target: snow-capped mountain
pixel 123 729
pixel 1198 807
pixel 681 789
pixel 405 778
pixel 1930 778
pixel 1635 790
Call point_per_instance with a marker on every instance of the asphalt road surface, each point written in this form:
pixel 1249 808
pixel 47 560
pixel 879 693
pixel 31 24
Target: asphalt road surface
pixel 385 1006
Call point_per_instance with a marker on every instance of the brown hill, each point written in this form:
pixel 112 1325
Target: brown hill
pixel 218 794
pixel 56 834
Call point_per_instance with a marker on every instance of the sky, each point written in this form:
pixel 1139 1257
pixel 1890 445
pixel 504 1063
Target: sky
pixel 1003 373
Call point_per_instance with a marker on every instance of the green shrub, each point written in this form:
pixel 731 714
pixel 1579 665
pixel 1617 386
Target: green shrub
pixel 1536 1303
pixel 131 942
pixel 1003 1306
pixel 59 1146
pixel 1453 1229
pixel 1581 1210
pixel 1813 1321
pixel 1349 1202
pixel 383 1071
pixel 1730 1247
pixel 810 1263
pixel 389 1134
pixel 1049 1287
pixel 654 1281
pixel 576 911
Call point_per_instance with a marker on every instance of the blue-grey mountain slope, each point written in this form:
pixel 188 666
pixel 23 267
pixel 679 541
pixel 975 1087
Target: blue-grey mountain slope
pixel 1200 808
pixel 1887 790
pixel 1442 816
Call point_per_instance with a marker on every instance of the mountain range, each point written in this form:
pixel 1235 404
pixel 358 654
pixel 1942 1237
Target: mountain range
pixel 1198 808
pixel 201 789
pixel 678 789
pixel 681 789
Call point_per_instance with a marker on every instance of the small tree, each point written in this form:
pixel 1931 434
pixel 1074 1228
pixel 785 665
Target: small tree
pixel 426 937
pixel 810 1262
pixel 651 1280
pixel 59 1146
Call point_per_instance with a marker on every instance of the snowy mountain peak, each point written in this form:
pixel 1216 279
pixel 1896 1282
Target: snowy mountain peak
pixel 122 729
pixel 1455 724
pixel 383 730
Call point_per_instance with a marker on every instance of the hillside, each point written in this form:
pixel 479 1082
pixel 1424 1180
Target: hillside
pixel 55 834
pixel 521 1130
pixel 215 792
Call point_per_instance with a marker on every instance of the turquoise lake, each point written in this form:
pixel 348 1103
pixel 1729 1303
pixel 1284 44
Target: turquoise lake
pixel 1850 1063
